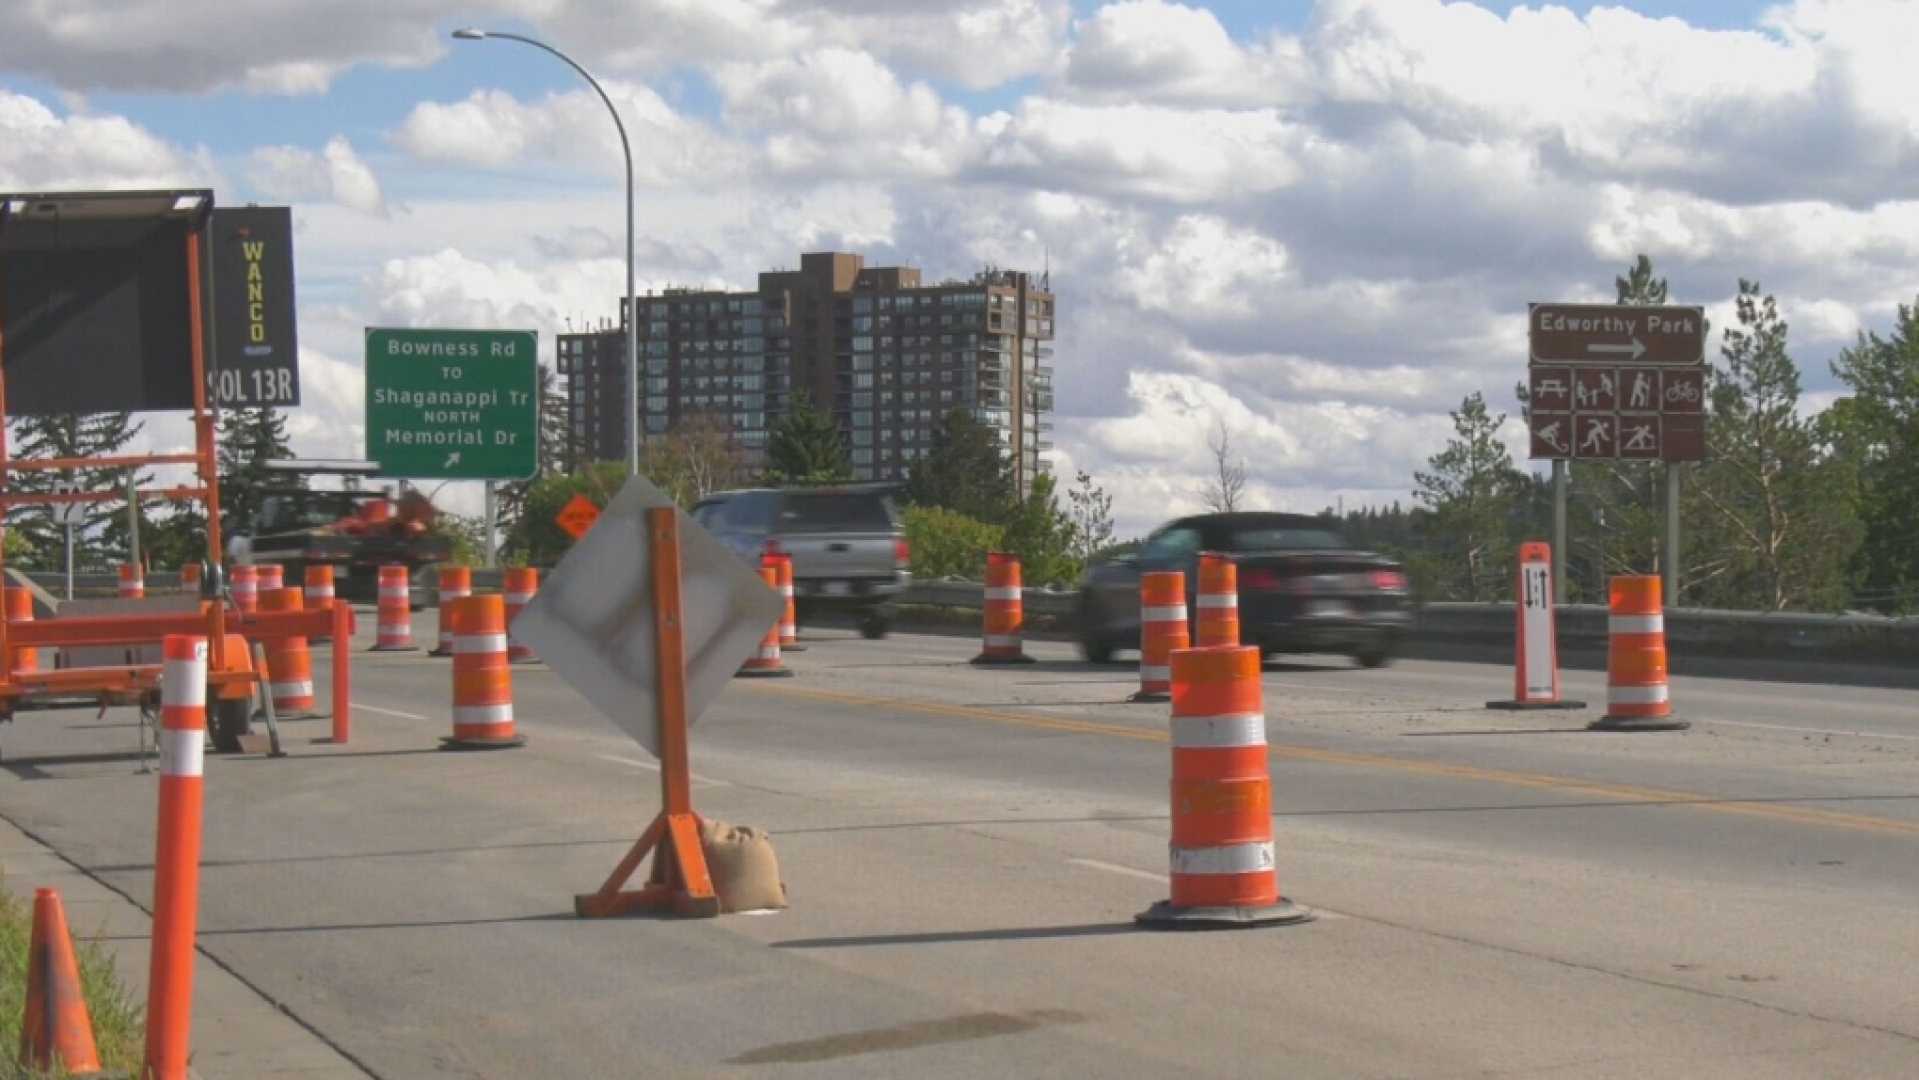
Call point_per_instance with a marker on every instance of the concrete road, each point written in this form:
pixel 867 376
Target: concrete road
pixel 1501 894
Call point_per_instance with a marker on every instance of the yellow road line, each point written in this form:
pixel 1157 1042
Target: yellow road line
pixel 1798 815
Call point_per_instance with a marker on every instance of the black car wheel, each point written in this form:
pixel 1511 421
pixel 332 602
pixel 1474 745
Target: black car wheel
pixel 1376 655
pixel 875 624
pixel 229 719
pixel 1096 650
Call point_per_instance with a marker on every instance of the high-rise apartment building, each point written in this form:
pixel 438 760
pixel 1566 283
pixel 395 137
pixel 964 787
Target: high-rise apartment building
pixel 886 355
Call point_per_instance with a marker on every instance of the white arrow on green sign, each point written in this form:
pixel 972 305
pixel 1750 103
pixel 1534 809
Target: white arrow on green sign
pixel 453 404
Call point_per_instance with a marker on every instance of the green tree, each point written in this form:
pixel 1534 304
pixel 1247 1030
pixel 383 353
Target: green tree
pixel 805 447
pixel 948 544
pixel 966 470
pixel 1779 508
pixel 1042 536
pixel 1091 510
pixel 73 436
pixel 555 453
pixel 1876 430
pixel 1470 494
pixel 695 459
pixel 537 538
pixel 248 438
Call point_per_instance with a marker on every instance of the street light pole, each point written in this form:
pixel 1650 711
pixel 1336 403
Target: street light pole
pixel 632 307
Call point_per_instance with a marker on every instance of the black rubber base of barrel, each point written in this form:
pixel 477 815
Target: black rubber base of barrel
pixel 1143 697
pixel 453 743
pixel 1164 916
pixel 1532 706
pixel 1638 723
pixel 985 661
pixel 394 648
pixel 763 673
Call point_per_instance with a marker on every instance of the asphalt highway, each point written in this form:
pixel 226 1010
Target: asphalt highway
pixel 1499 893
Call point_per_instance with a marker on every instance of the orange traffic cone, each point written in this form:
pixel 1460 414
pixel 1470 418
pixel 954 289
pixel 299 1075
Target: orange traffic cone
pixel 56 1031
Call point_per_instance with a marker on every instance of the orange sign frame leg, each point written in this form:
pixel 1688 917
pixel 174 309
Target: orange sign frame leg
pixel 680 882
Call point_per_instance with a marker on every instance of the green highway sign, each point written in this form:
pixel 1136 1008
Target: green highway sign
pixel 453 404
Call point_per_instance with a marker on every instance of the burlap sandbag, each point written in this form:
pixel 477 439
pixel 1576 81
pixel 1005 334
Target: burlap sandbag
pixel 746 873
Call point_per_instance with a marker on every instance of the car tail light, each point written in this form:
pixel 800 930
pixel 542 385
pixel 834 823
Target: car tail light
pixel 1262 578
pixel 1389 580
pixel 902 553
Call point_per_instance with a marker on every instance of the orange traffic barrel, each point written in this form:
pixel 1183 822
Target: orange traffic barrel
pixel 55 1030
pixel 1162 629
pixel 395 623
pixel 456 583
pixel 133 581
pixel 20 609
pixel 246 588
pixel 482 678
pixel 765 662
pixel 319 587
pixel 190 577
pixel 1003 612
pixel 1217 621
pixel 790 620
pixel 1224 870
pixel 289 663
pixel 272 576
pixel 519 585
pixel 1636 693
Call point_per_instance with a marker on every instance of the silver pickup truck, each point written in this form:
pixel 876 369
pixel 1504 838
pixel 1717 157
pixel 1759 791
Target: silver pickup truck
pixel 847 543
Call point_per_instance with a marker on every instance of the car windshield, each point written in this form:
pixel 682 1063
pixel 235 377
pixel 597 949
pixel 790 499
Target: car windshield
pixel 1268 538
pixel 836 511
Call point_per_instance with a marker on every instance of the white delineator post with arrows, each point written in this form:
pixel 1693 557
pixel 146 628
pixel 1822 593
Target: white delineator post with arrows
pixel 1535 641
pixel 616 628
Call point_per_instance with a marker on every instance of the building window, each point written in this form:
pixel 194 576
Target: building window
pixel 862 401
pixel 865 345
pixel 862 438
pixel 863 380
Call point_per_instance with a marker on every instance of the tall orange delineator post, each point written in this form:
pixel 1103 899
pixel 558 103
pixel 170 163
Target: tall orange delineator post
pixel 133 581
pixel 394 630
pixel 55 1030
pixel 20 609
pixel 289 662
pixel 246 588
pixel 790 621
pixel 1224 871
pixel 482 678
pixel 176 861
pixel 1535 636
pixel 1003 612
pixel 680 882
pixel 765 664
pixel 456 583
pixel 1637 698
pixel 1217 621
pixel 520 584
pixel 1162 629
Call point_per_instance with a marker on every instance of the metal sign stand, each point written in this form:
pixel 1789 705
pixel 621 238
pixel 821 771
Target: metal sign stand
pixel 679 882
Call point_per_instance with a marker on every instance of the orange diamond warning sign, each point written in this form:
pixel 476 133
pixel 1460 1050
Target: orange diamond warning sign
pixel 577 516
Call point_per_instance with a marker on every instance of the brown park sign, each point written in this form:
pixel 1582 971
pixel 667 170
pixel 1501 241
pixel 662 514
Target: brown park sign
pixel 1616 334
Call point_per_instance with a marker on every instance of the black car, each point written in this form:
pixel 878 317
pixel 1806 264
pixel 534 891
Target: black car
pixel 1302 587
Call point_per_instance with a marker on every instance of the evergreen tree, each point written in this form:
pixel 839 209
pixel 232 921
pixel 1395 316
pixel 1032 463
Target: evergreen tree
pixel 1092 516
pixel 248 438
pixel 805 447
pixel 1780 509
pixel 69 435
pixel 1470 494
pixel 1042 536
pixel 1876 431
pixel 967 470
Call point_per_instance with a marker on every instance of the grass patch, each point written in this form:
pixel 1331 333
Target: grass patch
pixel 119 1031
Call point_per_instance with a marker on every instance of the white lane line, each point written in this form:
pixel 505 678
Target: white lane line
pixel 361 707
pixel 654 766
pixel 1811 730
pixel 1133 872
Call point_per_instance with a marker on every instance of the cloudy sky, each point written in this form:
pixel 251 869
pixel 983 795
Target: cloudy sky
pixel 1319 222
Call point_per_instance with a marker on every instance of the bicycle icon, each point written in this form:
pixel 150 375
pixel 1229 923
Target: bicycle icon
pixel 1686 392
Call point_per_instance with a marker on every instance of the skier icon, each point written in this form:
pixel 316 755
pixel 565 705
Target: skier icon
pixel 1639 438
pixel 1549 434
pixel 1641 390
pixel 1596 438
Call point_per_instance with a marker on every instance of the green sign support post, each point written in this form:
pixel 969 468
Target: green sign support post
pixel 453 404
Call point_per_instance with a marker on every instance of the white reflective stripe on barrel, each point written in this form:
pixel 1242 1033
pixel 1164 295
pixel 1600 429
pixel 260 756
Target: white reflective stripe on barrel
pixel 1148 673
pixel 184 683
pixel 1232 729
pixel 393 592
pixel 303 688
pixel 786 591
pixel 482 715
pixel 1637 624
pixel 1168 613
pixel 182 753
pixel 1636 695
pixel 479 643
pixel 521 598
pixel 1002 641
pixel 1218 600
pixel 319 592
pixel 1229 859
pixel 1001 592
pixel 769 652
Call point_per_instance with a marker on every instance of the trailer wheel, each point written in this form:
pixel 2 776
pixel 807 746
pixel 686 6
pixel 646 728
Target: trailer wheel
pixel 228 719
